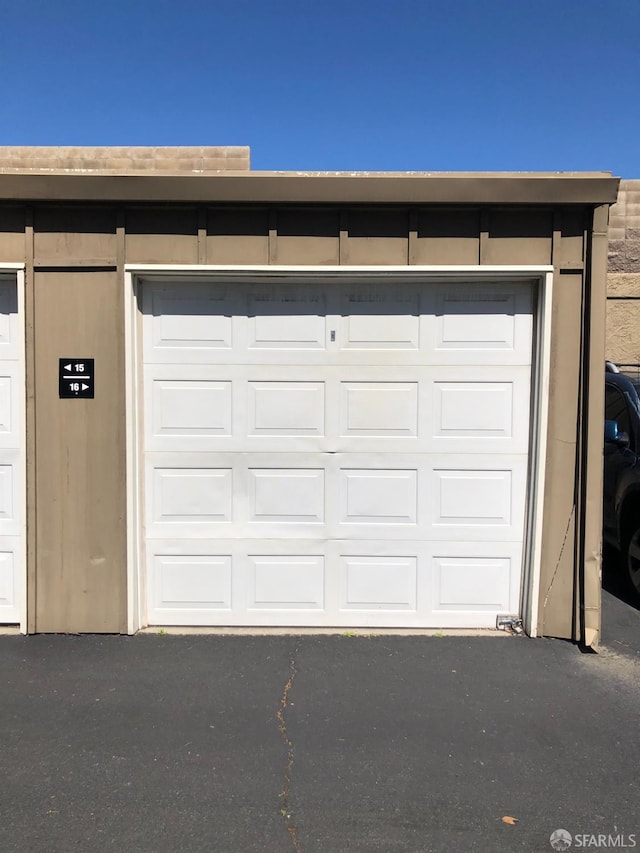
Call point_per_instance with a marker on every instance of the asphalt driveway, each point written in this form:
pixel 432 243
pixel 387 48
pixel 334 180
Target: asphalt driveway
pixel 320 743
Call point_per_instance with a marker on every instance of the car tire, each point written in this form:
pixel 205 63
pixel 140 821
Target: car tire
pixel 631 556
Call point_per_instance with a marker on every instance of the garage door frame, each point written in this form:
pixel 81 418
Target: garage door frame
pixel 542 277
pixel 15 273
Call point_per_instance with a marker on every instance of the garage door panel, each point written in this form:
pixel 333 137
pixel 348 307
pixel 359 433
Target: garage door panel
pixel 227 583
pixel 380 317
pixel 486 324
pixel 476 321
pixel 466 499
pixel 379 408
pixel 286 407
pixel 10 332
pixel 272 331
pixel 461 411
pixel 180 408
pixel 279 582
pixel 11 386
pixel 380 582
pixel 10 552
pixel 471 583
pixel 382 324
pixel 476 577
pixel 190 495
pixel 187 317
pixel 279 495
pixel 482 410
pixel 287 302
pixel 378 496
pixel 380 333
pixel 193 328
pixel 286 495
pixel 11 503
pixel 189 581
pixel 350 456
pixel 199 494
pixel 286 582
pixel 374 582
pixel 358 584
pixel 349 496
pixel 243 495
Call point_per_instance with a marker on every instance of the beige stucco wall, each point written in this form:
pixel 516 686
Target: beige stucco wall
pixel 623 277
pixel 198 158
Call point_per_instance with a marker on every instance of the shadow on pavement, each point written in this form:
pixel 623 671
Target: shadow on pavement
pixel 614 580
pixel 620 608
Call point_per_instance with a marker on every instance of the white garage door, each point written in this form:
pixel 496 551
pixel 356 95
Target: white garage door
pixel 11 455
pixel 339 454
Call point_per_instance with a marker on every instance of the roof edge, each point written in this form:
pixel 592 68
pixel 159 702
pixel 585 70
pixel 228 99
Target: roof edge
pixel 312 187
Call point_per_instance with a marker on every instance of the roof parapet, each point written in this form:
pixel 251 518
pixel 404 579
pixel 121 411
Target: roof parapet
pixel 125 159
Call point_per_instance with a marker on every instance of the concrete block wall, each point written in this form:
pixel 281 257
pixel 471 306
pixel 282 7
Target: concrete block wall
pixel 623 277
pixel 125 159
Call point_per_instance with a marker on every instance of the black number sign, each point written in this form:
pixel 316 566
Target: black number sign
pixel 76 378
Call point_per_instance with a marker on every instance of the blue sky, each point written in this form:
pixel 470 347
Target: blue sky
pixel 357 84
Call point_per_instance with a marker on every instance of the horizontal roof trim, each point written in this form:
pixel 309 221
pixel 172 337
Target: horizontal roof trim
pixel 317 188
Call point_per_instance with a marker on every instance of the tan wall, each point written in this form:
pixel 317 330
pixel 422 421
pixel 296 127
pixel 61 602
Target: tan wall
pixel 126 158
pixel 623 278
pixel 75 257
pixel 80 579
pixel 560 524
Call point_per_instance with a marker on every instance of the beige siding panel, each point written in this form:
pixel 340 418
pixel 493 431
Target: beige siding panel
pixel 80 459
pixel 571 249
pixel 378 236
pixel 448 237
pixel 308 237
pixel 238 236
pixel 592 420
pixel 559 523
pixel 518 237
pixel 12 224
pixel 30 443
pixel 623 331
pixel 74 234
pixel 161 236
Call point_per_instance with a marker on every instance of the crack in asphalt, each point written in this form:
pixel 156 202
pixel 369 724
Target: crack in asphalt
pixel 292 829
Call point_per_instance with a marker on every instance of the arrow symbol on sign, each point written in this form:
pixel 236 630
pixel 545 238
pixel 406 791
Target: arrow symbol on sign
pixel 84 387
pixel 67 367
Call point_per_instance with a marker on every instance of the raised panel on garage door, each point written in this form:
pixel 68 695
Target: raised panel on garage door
pixel 350 454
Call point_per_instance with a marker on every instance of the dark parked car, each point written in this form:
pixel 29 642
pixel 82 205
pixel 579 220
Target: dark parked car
pixel 622 471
